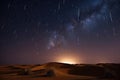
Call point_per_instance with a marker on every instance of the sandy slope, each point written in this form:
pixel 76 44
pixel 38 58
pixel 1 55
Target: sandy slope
pixel 50 71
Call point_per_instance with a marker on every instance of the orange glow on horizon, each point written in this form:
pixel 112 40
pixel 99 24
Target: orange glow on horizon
pixel 68 61
pixel 69 58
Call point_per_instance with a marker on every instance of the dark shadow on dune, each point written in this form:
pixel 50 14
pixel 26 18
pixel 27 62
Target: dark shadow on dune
pixel 87 70
pixel 112 70
pixel 13 67
pixel 50 73
pixel 67 66
pixel 39 71
pixel 25 71
pixel 44 73
pixel 10 70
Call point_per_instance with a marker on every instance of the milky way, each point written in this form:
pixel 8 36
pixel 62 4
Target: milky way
pixel 36 31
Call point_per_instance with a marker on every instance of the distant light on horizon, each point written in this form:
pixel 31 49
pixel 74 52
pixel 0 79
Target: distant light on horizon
pixel 68 61
pixel 70 58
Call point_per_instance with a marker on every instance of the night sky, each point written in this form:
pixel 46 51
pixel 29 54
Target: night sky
pixel 40 31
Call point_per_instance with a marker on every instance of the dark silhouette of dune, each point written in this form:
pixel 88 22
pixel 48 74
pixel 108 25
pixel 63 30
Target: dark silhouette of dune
pixel 88 70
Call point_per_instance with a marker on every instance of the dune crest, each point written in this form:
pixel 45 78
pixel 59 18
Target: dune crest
pixel 61 71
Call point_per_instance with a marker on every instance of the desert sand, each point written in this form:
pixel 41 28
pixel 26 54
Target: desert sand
pixel 60 71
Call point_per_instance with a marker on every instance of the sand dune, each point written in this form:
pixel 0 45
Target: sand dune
pixel 60 71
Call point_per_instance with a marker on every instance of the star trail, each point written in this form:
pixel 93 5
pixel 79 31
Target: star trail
pixel 39 31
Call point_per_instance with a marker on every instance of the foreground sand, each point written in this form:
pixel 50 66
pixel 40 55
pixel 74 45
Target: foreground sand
pixel 60 71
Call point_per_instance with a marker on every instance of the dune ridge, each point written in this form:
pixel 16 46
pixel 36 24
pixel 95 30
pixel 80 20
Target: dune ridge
pixel 61 71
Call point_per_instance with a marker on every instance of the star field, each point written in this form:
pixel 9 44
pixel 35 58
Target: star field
pixel 36 31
